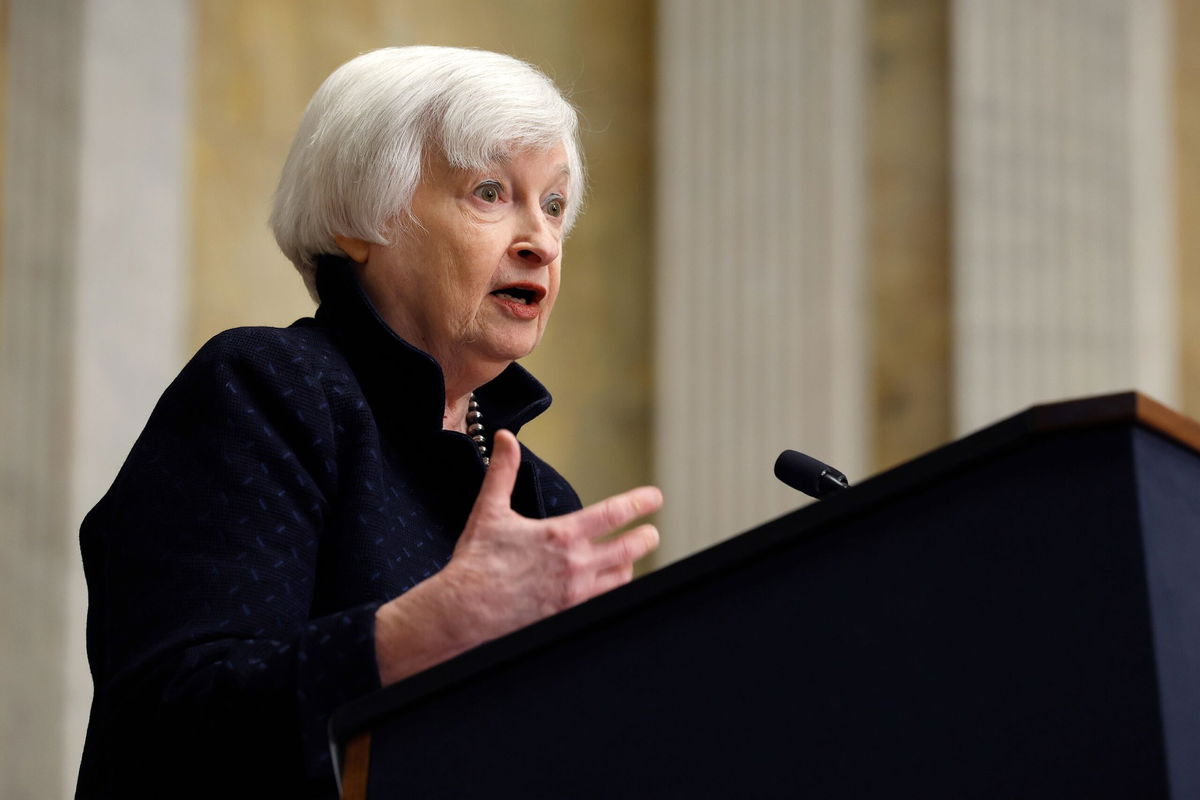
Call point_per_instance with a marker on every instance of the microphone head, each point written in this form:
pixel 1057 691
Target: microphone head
pixel 806 474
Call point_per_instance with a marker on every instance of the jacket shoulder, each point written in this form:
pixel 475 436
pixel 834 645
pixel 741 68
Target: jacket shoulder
pixel 270 348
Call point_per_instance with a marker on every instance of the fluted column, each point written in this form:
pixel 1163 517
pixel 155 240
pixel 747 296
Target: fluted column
pixel 760 241
pixel 1063 269
pixel 36 337
pixel 90 330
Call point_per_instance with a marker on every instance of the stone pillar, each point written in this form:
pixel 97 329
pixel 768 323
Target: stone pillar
pixel 36 338
pixel 93 324
pixel 1064 266
pixel 760 342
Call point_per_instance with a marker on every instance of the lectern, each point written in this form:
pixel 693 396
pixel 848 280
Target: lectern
pixel 1016 614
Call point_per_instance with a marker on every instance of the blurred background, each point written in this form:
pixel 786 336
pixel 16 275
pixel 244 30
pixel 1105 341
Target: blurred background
pixel 859 228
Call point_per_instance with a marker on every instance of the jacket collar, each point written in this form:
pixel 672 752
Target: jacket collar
pixel 402 382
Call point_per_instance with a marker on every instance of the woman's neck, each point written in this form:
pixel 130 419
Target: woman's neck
pixel 460 383
pixel 454 418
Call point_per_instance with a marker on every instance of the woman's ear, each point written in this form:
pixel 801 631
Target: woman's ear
pixel 357 249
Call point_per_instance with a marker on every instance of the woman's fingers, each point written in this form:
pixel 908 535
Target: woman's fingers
pixel 511 570
pixel 611 578
pixel 502 470
pixel 617 511
pixel 625 549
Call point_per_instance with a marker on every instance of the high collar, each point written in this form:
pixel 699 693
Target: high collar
pixel 403 383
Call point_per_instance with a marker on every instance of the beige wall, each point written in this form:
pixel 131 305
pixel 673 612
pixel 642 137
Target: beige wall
pixel 258 63
pixel 908 152
pixel 1187 172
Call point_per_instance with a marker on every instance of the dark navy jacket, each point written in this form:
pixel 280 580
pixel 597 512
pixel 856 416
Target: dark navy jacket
pixel 288 482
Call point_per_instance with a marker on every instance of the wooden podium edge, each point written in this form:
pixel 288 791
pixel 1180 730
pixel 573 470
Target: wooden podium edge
pixel 357 760
pixel 1116 408
pixel 1168 422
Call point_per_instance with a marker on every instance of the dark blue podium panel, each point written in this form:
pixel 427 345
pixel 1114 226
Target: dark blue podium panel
pixel 1025 624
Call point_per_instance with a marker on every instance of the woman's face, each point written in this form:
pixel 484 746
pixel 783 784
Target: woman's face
pixel 474 284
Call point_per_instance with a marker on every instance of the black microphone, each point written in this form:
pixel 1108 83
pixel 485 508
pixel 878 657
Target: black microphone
pixel 808 475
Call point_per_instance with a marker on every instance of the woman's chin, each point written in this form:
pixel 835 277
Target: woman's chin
pixel 508 347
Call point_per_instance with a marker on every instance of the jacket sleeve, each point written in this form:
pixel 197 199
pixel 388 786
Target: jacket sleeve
pixel 201 563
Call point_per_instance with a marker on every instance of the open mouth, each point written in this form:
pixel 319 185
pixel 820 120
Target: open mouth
pixel 519 294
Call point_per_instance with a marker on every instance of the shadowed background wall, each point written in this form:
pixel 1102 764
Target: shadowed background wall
pixel 908 147
pixel 70 402
pixel 1187 186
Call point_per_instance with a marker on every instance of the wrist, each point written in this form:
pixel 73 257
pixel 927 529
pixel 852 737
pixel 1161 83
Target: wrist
pixel 419 629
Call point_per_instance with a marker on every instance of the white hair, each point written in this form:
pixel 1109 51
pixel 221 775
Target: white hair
pixel 357 155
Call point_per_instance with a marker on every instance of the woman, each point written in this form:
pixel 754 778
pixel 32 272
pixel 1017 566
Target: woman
pixel 317 511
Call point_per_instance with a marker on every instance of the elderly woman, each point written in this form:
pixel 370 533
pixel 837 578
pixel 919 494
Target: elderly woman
pixel 316 511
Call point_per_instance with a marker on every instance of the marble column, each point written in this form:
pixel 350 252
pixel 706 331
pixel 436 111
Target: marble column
pixel 42 136
pixel 92 328
pixel 760 302
pixel 1063 259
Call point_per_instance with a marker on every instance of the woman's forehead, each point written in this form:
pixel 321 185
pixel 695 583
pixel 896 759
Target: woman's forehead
pixel 554 158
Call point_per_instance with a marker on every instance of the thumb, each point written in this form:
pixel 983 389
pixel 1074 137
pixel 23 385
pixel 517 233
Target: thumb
pixel 501 475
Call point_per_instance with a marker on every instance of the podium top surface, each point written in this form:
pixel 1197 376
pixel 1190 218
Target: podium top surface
pixel 1129 409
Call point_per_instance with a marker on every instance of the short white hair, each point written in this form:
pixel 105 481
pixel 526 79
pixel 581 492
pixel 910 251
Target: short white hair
pixel 358 153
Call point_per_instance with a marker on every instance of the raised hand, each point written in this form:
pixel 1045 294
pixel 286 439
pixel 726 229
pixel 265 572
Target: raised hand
pixel 508 571
pixel 512 570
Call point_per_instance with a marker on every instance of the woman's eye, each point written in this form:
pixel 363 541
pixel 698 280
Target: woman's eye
pixel 554 207
pixel 488 192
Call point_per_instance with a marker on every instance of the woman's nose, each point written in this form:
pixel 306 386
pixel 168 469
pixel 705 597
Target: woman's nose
pixel 537 243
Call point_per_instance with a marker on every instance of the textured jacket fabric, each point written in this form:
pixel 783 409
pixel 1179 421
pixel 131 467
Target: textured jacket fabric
pixel 288 482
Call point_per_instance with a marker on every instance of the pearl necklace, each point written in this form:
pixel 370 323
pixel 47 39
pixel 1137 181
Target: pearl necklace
pixel 475 428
